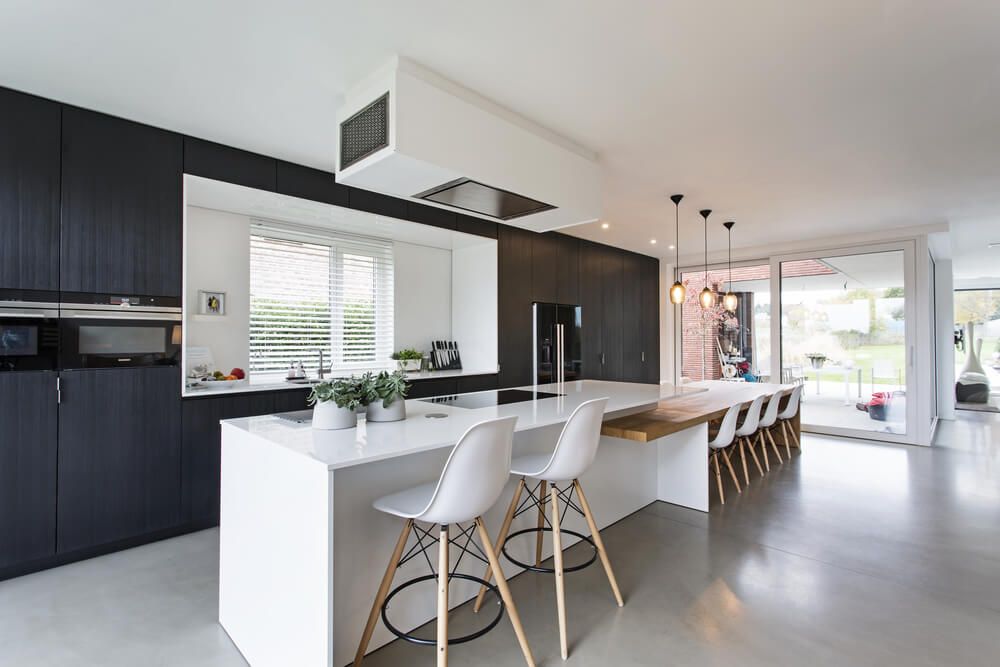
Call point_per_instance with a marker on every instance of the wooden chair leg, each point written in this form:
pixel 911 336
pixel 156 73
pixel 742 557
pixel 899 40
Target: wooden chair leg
pixel 743 458
pixel 508 600
pixel 595 535
pixel 504 529
pixel 383 590
pixel 753 453
pixel 732 473
pixel 764 435
pixel 541 523
pixel 763 449
pixel 560 583
pixel 718 477
pixel 788 449
pixel 795 437
pixel 442 606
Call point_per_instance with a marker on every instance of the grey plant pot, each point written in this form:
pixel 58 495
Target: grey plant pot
pixel 394 413
pixel 328 417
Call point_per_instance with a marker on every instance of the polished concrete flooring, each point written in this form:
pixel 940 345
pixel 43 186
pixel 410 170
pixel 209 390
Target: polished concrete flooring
pixel 853 553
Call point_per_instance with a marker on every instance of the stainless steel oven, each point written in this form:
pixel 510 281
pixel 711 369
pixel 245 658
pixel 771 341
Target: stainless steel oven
pixel 29 336
pixel 113 335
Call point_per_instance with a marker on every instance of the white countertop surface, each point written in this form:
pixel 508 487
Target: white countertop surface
pixel 271 383
pixel 417 433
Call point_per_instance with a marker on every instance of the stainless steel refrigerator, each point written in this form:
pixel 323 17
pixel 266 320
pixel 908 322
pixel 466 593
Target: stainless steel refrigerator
pixel 557 346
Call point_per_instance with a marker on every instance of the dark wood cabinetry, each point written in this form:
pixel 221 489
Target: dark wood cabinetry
pixel 27 467
pixel 430 215
pixel 119 455
pixel 649 308
pixel 29 192
pixel 469 383
pixel 514 306
pixel 378 203
pixel 202 441
pixel 633 354
pixel 223 163
pixel 121 206
pixel 305 183
pixel 591 298
pixel 433 387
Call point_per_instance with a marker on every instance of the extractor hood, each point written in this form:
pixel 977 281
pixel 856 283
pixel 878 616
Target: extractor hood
pixel 407 132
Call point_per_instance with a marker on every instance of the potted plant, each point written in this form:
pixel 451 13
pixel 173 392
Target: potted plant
pixel 335 403
pixel 386 394
pixel 816 359
pixel 408 359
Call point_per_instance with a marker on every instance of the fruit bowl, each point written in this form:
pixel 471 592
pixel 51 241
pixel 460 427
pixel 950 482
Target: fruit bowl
pixel 222 384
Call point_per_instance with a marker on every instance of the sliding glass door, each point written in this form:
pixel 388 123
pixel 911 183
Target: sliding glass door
pixel 845 334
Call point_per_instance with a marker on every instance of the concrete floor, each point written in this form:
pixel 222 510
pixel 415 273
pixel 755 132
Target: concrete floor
pixel 852 554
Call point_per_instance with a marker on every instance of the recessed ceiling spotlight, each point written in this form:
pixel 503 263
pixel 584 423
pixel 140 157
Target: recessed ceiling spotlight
pixel 604 225
pixel 653 241
pixel 671 247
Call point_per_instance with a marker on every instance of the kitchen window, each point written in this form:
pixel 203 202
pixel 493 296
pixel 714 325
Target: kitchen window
pixel 313 291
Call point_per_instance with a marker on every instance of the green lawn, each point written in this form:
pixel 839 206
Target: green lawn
pixel 864 357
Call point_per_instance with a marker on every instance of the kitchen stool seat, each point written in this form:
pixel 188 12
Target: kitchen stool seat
pixel 470 483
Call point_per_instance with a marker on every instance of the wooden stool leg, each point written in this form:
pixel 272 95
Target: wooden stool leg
pixel 383 590
pixel 753 453
pixel 560 583
pixel 743 458
pixel 718 477
pixel 732 473
pixel 541 523
pixel 505 595
pixel 504 529
pixel 598 542
pixel 442 607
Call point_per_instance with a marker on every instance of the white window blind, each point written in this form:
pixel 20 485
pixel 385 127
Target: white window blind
pixel 312 290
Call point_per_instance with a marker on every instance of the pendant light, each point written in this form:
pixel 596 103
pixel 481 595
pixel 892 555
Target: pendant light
pixel 677 291
pixel 707 296
pixel 730 301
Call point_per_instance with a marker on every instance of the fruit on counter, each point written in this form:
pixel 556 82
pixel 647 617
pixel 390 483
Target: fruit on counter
pixel 218 375
pixel 230 378
pixel 238 373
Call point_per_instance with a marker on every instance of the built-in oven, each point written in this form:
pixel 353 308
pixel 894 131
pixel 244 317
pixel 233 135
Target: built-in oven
pixel 29 336
pixel 119 332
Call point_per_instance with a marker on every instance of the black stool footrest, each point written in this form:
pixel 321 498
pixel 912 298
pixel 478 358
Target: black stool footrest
pixel 549 570
pixel 451 640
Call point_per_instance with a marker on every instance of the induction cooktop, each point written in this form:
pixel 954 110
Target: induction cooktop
pixel 487 399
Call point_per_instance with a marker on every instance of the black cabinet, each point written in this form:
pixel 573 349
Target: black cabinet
pixel 613 323
pixel 591 299
pixel 121 206
pixel 378 203
pixel 567 270
pixel 633 353
pixel 29 193
pixel 430 215
pixel 472 225
pixel 433 387
pixel 28 428
pixel 649 278
pixel 544 263
pixel 119 455
pixel 202 441
pixel 514 306
pixel 305 183
pixel 223 163
pixel 469 383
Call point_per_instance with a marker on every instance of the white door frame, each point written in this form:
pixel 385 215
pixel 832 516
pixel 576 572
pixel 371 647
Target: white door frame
pixel 913 399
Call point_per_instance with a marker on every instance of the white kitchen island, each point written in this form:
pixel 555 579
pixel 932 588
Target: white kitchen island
pixel 302 550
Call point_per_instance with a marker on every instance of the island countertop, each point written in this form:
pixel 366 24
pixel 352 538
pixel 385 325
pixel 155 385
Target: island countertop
pixel 422 432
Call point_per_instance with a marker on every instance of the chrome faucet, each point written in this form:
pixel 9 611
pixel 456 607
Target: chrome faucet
pixel 321 370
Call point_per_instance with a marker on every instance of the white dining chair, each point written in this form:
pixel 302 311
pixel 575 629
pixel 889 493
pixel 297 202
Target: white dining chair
pixel 721 444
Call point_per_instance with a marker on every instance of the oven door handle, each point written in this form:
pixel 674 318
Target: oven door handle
pixel 33 313
pixel 123 315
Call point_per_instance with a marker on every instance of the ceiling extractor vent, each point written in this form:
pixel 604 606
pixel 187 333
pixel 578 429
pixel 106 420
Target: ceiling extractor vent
pixel 365 132
pixel 469 195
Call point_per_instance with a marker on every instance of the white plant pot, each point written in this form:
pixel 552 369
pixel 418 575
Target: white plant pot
pixel 328 417
pixel 394 413
pixel 409 365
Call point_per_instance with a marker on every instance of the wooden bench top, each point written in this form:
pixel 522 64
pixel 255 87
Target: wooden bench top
pixel 681 413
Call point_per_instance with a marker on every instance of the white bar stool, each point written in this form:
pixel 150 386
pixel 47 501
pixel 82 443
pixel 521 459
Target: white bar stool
pixel 785 416
pixel 722 441
pixel 574 453
pixel 768 420
pixel 472 479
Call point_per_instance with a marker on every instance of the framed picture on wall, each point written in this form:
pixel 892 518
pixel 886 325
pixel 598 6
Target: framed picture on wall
pixel 211 303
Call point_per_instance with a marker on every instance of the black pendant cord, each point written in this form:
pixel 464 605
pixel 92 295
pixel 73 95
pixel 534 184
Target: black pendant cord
pixel 704 214
pixel 676 199
pixel 729 228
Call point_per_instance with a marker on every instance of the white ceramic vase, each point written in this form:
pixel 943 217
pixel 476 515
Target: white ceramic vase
pixel 328 417
pixel 394 413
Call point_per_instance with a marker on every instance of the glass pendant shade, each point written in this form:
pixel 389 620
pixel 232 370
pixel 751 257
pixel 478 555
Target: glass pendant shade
pixel 677 293
pixel 707 298
pixel 730 302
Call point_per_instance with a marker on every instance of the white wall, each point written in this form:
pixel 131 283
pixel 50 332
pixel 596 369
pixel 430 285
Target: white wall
pixel 474 316
pixel 423 287
pixel 944 304
pixel 218 259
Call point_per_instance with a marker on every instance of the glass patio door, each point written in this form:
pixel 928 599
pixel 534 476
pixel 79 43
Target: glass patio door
pixel 846 335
